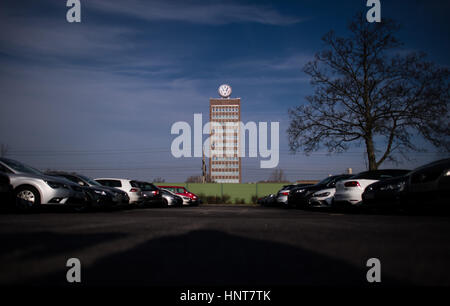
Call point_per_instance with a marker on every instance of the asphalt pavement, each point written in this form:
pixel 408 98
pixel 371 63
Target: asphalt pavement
pixel 224 245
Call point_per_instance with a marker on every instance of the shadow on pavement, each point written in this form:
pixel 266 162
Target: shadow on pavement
pixel 43 244
pixel 214 258
pixel 387 211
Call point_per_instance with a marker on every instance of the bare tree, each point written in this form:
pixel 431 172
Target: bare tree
pixel 4 149
pixel 366 94
pixel 159 180
pixel 277 176
pixel 194 179
pixel 198 179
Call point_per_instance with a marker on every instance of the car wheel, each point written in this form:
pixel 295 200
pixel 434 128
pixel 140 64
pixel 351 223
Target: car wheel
pixel 27 198
pixel 165 203
pixel 142 205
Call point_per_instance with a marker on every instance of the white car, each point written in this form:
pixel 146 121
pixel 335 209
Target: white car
pixel 350 191
pixel 131 187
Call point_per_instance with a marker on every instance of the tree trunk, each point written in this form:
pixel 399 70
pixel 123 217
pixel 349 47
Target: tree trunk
pixel 371 153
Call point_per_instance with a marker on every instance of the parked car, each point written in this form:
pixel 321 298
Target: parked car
pixel 259 201
pixel 131 187
pixel 269 200
pixel 152 194
pixel 383 194
pixel 6 190
pixel 170 199
pixel 33 188
pixel 188 197
pixel 301 196
pixel 100 196
pixel 322 196
pixel 282 195
pixel 429 185
pixel 349 192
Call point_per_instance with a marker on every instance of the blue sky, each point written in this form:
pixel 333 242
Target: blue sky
pixel 100 97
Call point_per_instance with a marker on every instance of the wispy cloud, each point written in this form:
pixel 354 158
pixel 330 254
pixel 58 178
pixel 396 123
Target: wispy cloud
pixel 115 84
pixel 281 63
pixel 51 37
pixel 50 42
pixel 213 12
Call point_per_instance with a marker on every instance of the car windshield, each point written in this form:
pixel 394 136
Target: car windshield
pixel 380 174
pixel 325 181
pixel 89 180
pixel 289 187
pixel 19 167
pixel 167 191
pixel 147 186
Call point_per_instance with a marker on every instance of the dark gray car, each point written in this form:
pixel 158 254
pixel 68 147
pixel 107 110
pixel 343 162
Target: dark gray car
pixel 151 193
pixel 6 189
pixel 100 196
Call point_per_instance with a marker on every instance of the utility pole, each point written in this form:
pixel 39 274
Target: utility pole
pixel 3 150
pixel 203 168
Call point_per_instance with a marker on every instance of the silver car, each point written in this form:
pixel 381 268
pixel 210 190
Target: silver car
pixel 171 199
pixel 283 195
pixel 33 188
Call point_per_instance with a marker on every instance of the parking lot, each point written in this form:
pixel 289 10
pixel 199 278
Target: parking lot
pixel 224 245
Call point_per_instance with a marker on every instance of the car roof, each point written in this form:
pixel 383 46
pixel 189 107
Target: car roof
pixel 435 163
pixel 383 170
pixel 61 173
pixel 397 172
pixel 163 186
pixel 112 178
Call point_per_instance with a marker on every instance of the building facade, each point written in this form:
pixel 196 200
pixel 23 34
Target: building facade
pixel 225 160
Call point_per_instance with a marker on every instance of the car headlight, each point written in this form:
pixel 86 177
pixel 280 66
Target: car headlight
pixel 394 187
pixel 100 192
pixel 447 173
pixel 321 195
pixel 55 185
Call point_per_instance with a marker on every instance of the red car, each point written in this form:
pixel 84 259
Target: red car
pixel 188 197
